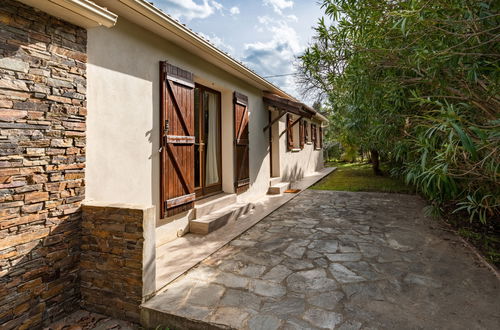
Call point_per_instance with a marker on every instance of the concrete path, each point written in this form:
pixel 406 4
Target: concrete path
pixel 338 260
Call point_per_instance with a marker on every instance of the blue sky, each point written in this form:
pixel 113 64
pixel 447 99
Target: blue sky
pixel 266 35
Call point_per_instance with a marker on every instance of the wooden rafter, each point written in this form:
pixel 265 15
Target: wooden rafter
pixel 281 113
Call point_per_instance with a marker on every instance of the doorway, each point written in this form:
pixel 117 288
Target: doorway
pixel 274 143
pixel 207 148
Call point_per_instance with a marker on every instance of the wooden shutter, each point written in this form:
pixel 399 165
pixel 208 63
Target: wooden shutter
pixel 289 132
pixel 313 135
pixel 320 136
pixel 301 134
pixel 241 143
pixel 306 131
pixel 176 139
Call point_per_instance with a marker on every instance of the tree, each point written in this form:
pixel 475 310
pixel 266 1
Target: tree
pixel 416 81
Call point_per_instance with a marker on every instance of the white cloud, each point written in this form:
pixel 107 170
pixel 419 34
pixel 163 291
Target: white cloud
pixel 218 42
pixel 217 5
pixel 278 5
pixel 276 56
pixel 234 10
pixel 188 9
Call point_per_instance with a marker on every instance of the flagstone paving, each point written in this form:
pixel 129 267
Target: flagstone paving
pixel 340 260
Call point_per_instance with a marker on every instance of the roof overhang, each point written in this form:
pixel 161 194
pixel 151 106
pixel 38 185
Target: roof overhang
pixel 286 105
pixel 146 15
pixel 83 13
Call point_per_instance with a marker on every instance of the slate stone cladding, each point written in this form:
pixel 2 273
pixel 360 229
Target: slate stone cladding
pixel 42 161
pixel 112 259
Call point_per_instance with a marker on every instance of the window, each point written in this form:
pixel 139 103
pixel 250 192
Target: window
pixel 317 136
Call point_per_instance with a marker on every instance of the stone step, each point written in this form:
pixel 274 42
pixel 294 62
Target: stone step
pixel 213 221
pixel 278 188
pixel 214 203
pixel 153 317
pixel 274 181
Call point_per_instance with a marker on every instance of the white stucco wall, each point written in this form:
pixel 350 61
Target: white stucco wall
pixel 123 115
pixel 296 165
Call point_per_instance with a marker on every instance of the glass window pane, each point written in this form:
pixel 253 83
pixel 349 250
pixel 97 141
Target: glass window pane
pixel 212 138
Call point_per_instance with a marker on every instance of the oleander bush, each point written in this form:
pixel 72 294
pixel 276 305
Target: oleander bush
pixel 417 81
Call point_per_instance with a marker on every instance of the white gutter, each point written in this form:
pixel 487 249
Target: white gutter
pixel 90 10
pixel 154 14
pixel 181 31
pixel 83 13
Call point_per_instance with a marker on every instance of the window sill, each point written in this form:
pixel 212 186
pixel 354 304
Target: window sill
pixel 295 149
pixel 309 143
pixel 318 148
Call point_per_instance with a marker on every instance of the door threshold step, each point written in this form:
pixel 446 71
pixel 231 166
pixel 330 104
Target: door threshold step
pixel 278 188
pixel 210 204
pixel 274 181
pixel 213 221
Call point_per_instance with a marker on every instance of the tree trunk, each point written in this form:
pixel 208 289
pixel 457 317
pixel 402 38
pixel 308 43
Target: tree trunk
pixel 375 162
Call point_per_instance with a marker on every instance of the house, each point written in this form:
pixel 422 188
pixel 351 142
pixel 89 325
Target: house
pixel 114 104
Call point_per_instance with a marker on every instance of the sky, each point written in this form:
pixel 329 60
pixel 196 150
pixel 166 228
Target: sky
pixel 266 35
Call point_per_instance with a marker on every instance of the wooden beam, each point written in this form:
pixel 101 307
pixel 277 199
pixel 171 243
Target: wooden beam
pixel 280 114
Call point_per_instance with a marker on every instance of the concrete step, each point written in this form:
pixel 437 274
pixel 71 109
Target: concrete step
pixel 278 188
pixel 214 203
pixel 213 221
pixel 274 181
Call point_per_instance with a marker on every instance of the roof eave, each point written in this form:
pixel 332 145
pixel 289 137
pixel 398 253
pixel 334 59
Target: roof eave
pixel 203 47
pixel 84 13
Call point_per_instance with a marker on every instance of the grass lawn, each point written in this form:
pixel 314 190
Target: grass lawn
pixel 360 177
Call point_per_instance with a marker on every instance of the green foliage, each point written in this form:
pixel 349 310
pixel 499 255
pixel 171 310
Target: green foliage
pixel 418 81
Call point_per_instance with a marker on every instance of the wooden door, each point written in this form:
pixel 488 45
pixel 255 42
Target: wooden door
pixel 241 143
pixel 176 140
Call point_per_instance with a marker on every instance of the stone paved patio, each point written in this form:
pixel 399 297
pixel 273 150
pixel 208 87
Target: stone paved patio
pixel 83 320
pixel 340 260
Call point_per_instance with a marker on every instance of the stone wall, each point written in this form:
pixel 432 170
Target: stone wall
pixel 118 259
pixel 42 160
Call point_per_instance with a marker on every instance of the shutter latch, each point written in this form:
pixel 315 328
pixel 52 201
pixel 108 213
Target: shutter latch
pixel 167 127
pixel 165 132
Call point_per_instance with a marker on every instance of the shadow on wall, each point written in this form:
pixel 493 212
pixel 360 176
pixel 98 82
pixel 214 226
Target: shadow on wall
pixel 321 163
pixel 40 282
pixel 292 174
pixel 257 155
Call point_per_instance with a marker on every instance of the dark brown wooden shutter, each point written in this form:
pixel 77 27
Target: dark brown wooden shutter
pixel 289 132
pixel 320 136
pixel 301 134
pixel 313 135
pixel 176 139
pixel 306 131
pixel 241 143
